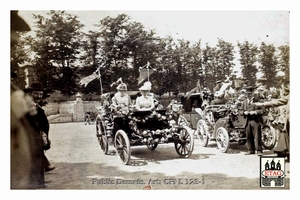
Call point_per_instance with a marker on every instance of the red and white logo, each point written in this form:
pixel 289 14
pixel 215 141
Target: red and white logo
pixel 272 172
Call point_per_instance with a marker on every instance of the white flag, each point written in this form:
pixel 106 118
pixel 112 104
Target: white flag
pixel 86 80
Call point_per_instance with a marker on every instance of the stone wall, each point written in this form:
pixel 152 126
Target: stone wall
pixel 70 111
pixel 74 111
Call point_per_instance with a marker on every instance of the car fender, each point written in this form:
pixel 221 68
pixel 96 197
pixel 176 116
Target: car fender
pixel 220 123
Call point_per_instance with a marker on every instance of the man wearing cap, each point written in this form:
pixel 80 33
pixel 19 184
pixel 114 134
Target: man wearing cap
pixel 36 91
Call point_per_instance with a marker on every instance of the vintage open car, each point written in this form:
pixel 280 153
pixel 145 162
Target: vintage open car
pixel 221 123
pixel 225 124
pixel 190 103
pixel 137 128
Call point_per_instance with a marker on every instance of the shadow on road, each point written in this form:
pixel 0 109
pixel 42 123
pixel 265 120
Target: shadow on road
pixel 105 177
pixel 142 155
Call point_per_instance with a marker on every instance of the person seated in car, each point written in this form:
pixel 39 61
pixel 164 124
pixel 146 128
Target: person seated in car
pixel 146 101
pixel 121 100
pixel 219 98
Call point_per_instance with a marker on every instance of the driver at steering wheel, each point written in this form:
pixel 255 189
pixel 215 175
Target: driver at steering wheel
pixel 121 100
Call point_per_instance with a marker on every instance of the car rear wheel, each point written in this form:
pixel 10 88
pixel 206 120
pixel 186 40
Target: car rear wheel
pixel 222 139
pixel 102 138
pixel 268 137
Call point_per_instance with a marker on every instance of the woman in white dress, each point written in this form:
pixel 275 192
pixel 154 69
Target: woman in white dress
pixel 146 101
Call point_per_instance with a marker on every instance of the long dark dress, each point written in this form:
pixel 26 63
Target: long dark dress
pixel 36 147
pixel 43 125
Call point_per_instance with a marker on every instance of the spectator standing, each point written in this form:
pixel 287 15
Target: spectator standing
pixel 284 100
pixel 36 91
pixel 37 179
pixel 253 126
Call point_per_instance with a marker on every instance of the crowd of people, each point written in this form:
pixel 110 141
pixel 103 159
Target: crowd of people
pixel 29 127
pixel 260 106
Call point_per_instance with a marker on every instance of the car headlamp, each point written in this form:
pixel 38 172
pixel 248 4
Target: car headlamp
pixel 176 107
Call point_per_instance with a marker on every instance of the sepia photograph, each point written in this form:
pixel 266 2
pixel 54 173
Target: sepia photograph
pixel 161 99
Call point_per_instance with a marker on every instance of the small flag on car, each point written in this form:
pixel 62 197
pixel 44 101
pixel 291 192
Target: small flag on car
pixel 144 73
pixel 86 80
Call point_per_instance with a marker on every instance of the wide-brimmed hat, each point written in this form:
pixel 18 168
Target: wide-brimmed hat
pixel 122 87
pixel 17 23
pixel 145 88
pixel 35 86
pixel 148 84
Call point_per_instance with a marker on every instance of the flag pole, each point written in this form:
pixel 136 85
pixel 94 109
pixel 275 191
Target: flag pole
pixel 148 71
pixel 99 74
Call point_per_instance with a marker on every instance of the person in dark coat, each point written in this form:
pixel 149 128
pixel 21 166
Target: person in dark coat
pixel 284 100
pixel 253 126
pixel 36 91
pixel 37 179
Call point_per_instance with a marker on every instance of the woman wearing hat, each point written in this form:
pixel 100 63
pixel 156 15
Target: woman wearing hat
pixel 121 100
pixel 146 101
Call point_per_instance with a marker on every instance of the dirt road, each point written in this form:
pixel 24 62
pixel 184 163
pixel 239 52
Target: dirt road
pixel 80 164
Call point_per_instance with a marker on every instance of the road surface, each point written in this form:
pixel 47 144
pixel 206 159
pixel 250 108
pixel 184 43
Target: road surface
pixel 80 164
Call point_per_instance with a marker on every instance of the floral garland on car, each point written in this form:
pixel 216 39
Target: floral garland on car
pixel 158 135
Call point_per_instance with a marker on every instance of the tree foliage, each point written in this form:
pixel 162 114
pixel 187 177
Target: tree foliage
pixel 120 46
pixel 224 58
pixel 268 63
pixel 126 46
pixel 248 58
pixel 284 60
pixel 56 48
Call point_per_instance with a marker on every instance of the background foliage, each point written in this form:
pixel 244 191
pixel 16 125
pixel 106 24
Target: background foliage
pixel 63 54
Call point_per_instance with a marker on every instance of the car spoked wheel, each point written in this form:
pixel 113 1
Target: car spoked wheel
pixel 202 130
pixel 122 146
pixel 102 138
pixel 184 145
pixel 182 121
pixel 268 137
pixel 222 139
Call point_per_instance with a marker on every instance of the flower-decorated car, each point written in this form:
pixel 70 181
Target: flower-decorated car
pixel 131 127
